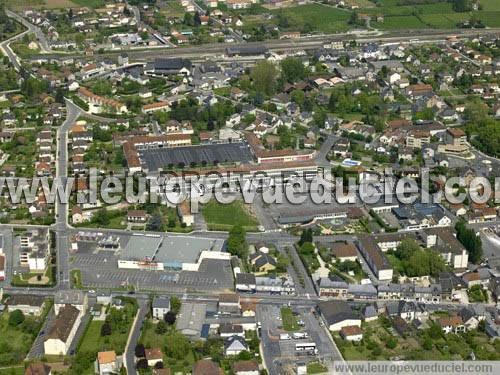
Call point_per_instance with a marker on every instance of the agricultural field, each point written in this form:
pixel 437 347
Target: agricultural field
pixel 439 15
pixel 50 4
pixel 316 17
pixel 328 19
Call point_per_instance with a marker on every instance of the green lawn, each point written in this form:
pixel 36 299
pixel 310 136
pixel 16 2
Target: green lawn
pixel 15 342
pixel 316 368
pixel 94 342
pixel 19 370
pixel 223 216
pixel 22 280
pixel 90 3
pixel 289 320
pixel 76 278
pixel 121 322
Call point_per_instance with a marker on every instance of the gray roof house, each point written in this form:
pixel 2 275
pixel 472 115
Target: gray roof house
pixel 234 345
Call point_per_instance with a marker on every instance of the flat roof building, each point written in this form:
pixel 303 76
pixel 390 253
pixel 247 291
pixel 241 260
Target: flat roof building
pixel 190 319
pixel 163 252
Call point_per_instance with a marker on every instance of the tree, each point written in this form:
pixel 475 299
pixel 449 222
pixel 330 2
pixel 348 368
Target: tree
pixel 293 70
pixel 236 241
pixel 427 344
pixel 461 5
pixel 263 76
pixel 435 332
pixel 106 329
pixel 471 241
pixel 391 342
pixel 59 96
pixel 298 96
pixel 140 351
pixel 32 87
pixel 161 327
pixel 197 19
pixel 177 345
pixel 175 304
pixel 142 364
pixel 101 217
pixel 155 223
pixel 170 318
pixel 16 317
pixel 306 236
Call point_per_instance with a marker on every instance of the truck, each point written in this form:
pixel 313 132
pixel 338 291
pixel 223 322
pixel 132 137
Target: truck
pixel 285 336
pixel 300 335
pixel 308 348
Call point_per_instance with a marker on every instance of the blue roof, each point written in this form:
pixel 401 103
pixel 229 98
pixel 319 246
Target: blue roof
pixel 205 328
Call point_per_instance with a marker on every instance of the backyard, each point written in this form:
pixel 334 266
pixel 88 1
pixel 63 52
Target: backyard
pixel 180 357
pixel 111 333
pixel 381 342
pixel 17 336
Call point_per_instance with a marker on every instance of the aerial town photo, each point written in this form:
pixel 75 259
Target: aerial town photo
pixel 249 187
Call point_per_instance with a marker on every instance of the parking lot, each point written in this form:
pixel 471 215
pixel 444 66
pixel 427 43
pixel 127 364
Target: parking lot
pixel 154 159
pixel 100 270
pixel 280 353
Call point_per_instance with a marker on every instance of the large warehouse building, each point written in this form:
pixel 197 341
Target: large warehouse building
pixel 162 153
pixel 164 252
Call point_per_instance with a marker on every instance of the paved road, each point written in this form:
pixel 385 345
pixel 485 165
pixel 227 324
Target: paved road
pixel 270 347
pixel 42 39
pixel 37 349
pixel 325 148
pixel 7 51
pixel 134 336
pixel 61 225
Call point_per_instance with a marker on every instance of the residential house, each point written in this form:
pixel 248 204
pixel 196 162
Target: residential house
pixel 245 282
pixel 108 363
pixel 351 333
pixel 160 306
pixel 229 330
pixel 330 287
pixel 234 345
pixel 229 303
pixel 249 367
pixel 451 324
pixel 137 216
pixel 469 318
pixel 206 367
pixel 153 356
pixel 343 251
pixel 26 303
pixel 38 368
pixel 262 262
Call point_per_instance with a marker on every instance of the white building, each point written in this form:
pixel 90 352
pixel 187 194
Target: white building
pixel 161 306
pixel 62 331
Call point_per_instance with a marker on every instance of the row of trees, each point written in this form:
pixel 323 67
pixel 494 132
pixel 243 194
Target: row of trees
pixel 471 241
